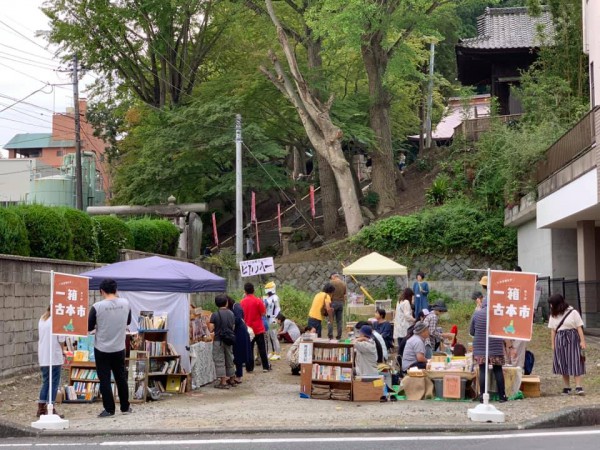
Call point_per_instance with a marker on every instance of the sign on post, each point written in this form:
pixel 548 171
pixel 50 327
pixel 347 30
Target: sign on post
pixel 70 305
pixel 511 304
pixel 305 353
pixel 257 267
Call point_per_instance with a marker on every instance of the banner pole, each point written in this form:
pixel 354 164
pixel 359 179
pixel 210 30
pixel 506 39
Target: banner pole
pixel 486 395
pixel 50 407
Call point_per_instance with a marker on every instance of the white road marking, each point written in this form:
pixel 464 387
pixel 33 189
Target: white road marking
pixel 357 438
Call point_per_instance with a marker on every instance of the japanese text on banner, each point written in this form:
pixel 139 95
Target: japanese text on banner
pixel 512 298
pixel 70 305
pixel 257 267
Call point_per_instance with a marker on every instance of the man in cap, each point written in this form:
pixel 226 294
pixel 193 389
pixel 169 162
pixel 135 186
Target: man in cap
pixel 414 351
pixel 366 352
pixel 435 333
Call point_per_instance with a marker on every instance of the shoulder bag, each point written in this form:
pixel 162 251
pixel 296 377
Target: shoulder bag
pixel 227 335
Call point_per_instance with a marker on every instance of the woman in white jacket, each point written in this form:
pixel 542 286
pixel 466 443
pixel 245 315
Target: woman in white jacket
pixel 403 318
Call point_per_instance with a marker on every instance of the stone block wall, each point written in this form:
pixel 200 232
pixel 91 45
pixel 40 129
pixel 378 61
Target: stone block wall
pixel 24 296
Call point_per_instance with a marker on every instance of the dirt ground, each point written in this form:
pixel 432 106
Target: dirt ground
pixel 271 401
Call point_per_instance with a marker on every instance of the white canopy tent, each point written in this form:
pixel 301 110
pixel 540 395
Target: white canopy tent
pixel 375 264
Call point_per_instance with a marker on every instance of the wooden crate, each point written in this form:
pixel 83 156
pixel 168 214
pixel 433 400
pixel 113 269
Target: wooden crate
pixel 530 386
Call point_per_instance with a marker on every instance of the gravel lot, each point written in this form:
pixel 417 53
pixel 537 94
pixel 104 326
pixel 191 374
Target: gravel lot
pixel 270 401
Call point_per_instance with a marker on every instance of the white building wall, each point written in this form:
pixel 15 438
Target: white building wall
pixel 535 248
pixel 15 176
pixel 591 45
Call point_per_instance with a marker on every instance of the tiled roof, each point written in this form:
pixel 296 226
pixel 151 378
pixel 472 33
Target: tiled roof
pixel 36 140
pixel 500 28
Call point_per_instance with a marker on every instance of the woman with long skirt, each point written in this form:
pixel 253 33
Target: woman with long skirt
pixel 242 349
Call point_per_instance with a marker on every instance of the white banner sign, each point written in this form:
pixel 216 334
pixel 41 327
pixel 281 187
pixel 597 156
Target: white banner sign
pixel 257 267
pixel 305 353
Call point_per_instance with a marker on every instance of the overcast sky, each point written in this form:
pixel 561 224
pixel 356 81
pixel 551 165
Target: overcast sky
pixel 26 65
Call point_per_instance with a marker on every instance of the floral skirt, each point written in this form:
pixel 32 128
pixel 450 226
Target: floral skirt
pixel 493 360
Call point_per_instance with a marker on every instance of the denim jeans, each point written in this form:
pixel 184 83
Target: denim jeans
pixel 105 364
pixel 338 316
pixel 46 382
pixel 316 324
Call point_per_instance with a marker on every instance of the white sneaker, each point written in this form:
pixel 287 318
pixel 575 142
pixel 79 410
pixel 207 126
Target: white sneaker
pixel 274 357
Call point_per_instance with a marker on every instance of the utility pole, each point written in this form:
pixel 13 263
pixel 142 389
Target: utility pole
pixel 429 97
pixel 239 238
pixel 78 174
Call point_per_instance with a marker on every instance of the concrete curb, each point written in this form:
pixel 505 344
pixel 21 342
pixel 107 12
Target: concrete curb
pixel 564 418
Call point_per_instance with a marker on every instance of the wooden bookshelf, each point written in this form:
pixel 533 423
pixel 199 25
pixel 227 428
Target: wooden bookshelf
pixel 331 369
pixel 164 369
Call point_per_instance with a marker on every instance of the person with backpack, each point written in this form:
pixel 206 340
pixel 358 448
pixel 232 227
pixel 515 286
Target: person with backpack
pixel 222 323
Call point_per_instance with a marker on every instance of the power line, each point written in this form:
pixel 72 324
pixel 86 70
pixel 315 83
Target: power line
pixel 26 61
pixel 24 73
pixel 27 53
pixel 22 35
pixel 25 98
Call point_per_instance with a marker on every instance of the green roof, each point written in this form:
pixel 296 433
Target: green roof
pixel 36 140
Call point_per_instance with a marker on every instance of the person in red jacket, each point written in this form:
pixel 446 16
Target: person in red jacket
pixel 254 311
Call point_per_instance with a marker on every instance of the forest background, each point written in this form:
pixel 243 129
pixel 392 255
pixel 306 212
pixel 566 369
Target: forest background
pixel 327 78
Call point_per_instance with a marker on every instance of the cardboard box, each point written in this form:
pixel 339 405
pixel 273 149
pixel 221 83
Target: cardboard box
pixel 367 389
pixel 530 386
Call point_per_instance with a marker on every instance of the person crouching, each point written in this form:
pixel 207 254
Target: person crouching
pixel 366 352
pixel 414 351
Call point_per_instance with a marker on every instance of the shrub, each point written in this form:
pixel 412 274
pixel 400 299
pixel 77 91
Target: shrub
pixel 455 227
pixel 371 199
pixel 295 303
pixel 147 236
pixel 48 231
pixel 169 237
pixel 13 233
pixel 113 234
pixel 85 245
pixel 439 191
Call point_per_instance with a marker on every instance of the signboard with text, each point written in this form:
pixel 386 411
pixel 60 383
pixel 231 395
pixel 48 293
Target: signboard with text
pixel 70 305
pixel 257 267
pixel 511 304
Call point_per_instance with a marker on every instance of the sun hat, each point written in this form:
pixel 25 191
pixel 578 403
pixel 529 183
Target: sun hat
pixel 270 286
pixel 484 281
pixel 419 328
pixel 439 306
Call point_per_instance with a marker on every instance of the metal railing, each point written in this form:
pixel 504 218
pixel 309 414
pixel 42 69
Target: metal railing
pixel 569 146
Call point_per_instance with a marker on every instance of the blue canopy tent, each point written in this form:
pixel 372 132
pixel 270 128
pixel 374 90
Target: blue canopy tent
pixel 157 274
pixel 161 285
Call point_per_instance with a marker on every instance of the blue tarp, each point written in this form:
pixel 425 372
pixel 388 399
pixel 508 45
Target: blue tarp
pixel 156 274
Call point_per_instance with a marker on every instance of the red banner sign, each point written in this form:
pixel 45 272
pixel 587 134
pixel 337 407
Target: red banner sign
pixel 70 305
pixel 511 304
pixel 253 207
pixel 215 234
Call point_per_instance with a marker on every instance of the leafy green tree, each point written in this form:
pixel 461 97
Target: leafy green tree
pixel 156 48
pixel 13 233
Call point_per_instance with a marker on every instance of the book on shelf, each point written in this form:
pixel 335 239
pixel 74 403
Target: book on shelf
pixel 331 373
pixel 338 354
pixel 149 321
pixel 81 355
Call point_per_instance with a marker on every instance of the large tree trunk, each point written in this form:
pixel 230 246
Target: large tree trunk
pixel 330 198
pixel 383 175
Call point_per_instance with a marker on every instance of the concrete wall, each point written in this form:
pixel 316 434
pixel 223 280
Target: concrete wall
pixel 564 253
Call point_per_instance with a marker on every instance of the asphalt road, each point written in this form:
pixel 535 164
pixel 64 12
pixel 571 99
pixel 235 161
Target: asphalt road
pixel 580 438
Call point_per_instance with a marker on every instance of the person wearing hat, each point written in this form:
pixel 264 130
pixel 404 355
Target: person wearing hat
pixel 484 282
pixel 477 296
pixel 273 310
pixel 435 333
pixel 414 350
pixel 365 361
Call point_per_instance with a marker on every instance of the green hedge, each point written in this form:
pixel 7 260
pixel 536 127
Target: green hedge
pixel 13 233
pixel 85 244
pixel 170 237
pixel 48 232
pixel 454 228
pixel 112 234
pixel 154 236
